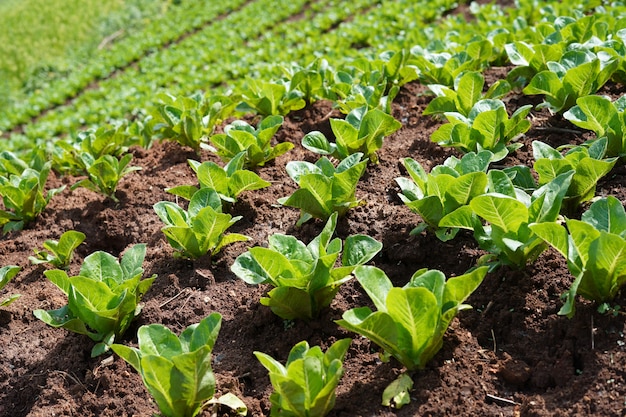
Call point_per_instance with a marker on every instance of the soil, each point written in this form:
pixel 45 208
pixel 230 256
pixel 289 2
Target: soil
pixel 511 355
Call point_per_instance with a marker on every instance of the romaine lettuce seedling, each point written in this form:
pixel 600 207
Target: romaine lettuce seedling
pixel 23 197
pixel 578 73
pixel 304 276
pixel 229 181
pixel 58 253
pixel 508 212
pixel 468 90
pixel 595 249
pixel 104 173
pixel 270 98
pixel 305 385
pixel 103 299
pixel 411 321
pixel 6 274
pixel 324 189
pixel 255 144
pixel 585 161
pixel 445 189
pixel 191 120
pixel 177 370
pixel 362 131
pixel 486 127
pixel 199 230
pixel 605 118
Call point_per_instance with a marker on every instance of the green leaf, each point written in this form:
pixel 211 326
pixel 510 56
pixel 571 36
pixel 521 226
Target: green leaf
pixel 396 394
pixel 500 210
pixel 592 112
pixel 359 249
pixel 608 215
pixel 101 266
pixel 469 91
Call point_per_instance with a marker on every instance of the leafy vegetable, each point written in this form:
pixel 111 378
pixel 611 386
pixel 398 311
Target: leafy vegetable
pixel 229 181
pixel 103 299
pixel 306 385
pixel 199 230
pixel 270 98
pixel 23 197
pixel 605 118
pixel 396 394
pixel 177 370
pixel 509 211
pixel 324 189
pixel 595 249
pixel 104 173
pixel 362 131
pixel 304 276
pixel 255 144
pixel 411 321
pixel 578 73
pixel 191 120
pixel 586 162
pixel 445 189
pixel 59 253
pixel 468 90
pixel 487 127
pixel 6 274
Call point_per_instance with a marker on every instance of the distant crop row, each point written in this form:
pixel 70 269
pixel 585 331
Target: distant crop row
pixel 515 213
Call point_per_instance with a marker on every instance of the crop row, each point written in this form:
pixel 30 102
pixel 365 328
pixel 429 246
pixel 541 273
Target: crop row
pixel 180 19
pixel 513 212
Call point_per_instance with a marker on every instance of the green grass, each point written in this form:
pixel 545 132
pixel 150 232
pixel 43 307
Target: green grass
pixel 43 39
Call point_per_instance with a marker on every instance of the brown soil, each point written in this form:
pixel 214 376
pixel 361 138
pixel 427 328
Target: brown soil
pixel 512 355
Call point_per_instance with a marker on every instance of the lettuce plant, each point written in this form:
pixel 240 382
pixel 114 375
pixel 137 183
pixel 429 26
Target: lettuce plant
pixel 304 276
pixel 362 131
pixel 605 118
pixel 578 73
pixel 595 249
pixel 255 144
pixel 305 385
pixel 24 197
pixel 410 321
pixel 508 212
pixel 67 155
pixel 191 120
pixel 468 90
pixel 58 253
pixel 105 173
pixel 103 299
pixel 442 67
pixel 229 181
pixel 585 161
pixel 177 370
pixel 6 274
pixel 445 189
pixel 270 98
pixel 530 59
pixel 324 189
pixel 199 230
pixel 486 127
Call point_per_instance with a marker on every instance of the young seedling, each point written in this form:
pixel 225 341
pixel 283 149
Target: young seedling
pixel 6 274
pixel 595 249
pixel 324 189
pixel 104 173
pixel 199 230
pixel 23 197
pixel 304 276
pixel 305 385
pixel 177 370
pixel 411 321
pixel 229 181
pixel 270 98
pixel 362 131
pixel 58 253
pixel 447 188
pixel 255 144
pixel 103 299
pixel 508 212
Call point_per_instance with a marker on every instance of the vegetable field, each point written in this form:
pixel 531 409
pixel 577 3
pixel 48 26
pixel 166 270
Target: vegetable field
pixel 318 207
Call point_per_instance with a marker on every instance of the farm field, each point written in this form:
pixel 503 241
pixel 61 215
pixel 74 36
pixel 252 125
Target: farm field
pixel 512 354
